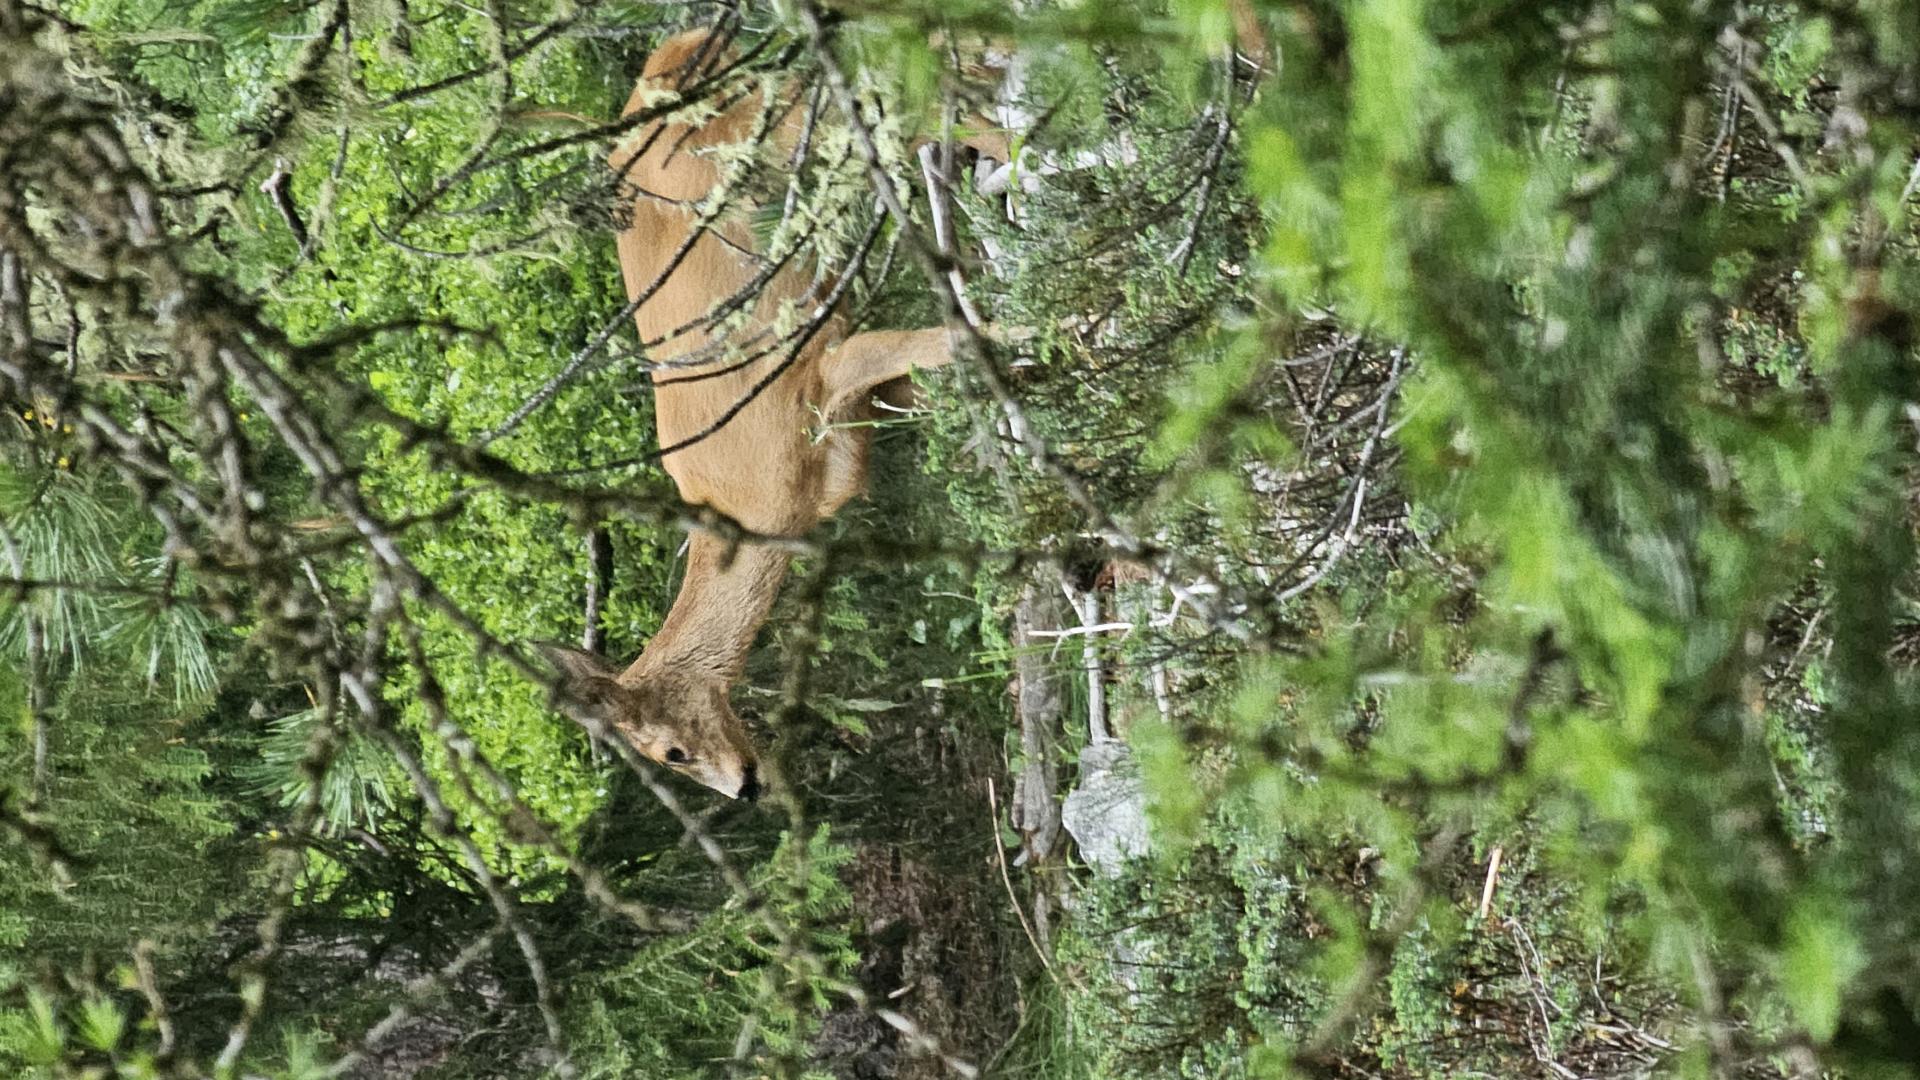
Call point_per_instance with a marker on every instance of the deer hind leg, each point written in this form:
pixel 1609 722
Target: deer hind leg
pixel 865 366
pixel 860 365
pixel 846 470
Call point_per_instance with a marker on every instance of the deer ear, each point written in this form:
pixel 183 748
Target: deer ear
pixel 586 679
pixel 576 663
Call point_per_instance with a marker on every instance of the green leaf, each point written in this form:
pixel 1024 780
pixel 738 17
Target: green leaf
pixel 1823 955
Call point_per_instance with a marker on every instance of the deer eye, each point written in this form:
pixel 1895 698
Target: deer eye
pixel 676 756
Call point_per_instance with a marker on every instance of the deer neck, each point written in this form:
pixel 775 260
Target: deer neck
pixel 728 591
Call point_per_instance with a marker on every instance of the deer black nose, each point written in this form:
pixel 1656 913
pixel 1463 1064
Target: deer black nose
pixel 750 784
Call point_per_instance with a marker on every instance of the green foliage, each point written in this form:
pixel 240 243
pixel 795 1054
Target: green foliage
pixel 358 788
pixel 73 529
pixel 110 755
pixel 149 841
pixel 1176 974
pixel 691 1004
pixel 1589 310
pixel 1212 967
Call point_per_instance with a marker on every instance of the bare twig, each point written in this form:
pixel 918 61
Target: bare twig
pixel 1006 878
pixel 279 188
pixel 1493 879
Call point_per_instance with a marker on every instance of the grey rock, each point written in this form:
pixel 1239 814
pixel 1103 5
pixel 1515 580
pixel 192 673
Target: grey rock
pixel 1107 813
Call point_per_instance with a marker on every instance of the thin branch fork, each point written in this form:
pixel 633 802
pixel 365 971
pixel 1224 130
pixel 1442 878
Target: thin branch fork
pixel 279 187
pixel 1077 631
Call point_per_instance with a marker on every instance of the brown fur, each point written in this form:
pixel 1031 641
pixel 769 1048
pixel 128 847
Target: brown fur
pixel 779 467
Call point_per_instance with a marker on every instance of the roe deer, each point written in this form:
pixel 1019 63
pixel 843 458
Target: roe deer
pixel 768 465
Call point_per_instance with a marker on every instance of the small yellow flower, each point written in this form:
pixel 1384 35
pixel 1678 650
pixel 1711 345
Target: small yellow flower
pixel 28 415
pixel 63 462
pixel 66 429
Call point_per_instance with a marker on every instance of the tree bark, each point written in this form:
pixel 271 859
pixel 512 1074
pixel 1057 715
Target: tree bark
pixel 1036 814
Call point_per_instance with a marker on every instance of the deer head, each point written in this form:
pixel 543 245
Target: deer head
pixel 682 720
